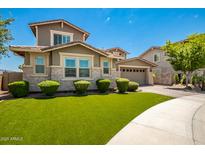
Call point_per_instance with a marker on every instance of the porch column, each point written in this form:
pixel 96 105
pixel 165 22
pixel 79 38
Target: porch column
pixel 149 77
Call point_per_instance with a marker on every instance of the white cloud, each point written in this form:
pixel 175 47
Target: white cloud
pixel 196 16
pixel 130 21
pixel 107 19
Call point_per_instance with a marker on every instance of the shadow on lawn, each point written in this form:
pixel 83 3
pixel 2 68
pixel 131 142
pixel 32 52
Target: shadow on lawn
pixel 41 96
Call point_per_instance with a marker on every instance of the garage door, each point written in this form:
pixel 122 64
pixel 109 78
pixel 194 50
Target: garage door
pixel 134 74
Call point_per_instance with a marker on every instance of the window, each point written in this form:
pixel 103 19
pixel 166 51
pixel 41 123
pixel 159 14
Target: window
pixel 116 53
pixel 76 67
pixel 61 39
pixel 105 67
pixel 39 64
pixel 156 57
pixel 84 70
pixel 70 68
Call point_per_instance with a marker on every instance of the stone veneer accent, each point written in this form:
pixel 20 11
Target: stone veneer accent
pixel 57 73
pixel 33 79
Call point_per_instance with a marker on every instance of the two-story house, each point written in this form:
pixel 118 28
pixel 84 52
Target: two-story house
pixel 61 53
pixel 163 72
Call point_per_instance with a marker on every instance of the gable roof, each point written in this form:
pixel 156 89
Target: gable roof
pixel 20 50
pixel 148 50
pixel 137 58
pixel 116 49
pixel 33 24
pixel 55 47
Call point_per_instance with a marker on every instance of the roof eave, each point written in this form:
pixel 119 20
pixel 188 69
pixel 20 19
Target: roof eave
pixel 58 21
pixel 72 44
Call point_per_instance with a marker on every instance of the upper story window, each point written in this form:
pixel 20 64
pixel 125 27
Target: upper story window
pixel 116 53
pixel 157 57
pixel 40 64
pixel 59 37
pixel 105 67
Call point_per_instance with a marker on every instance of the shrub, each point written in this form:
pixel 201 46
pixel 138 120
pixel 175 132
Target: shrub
pixel 122 84
pixel 81 86
pixel 19 88
pixel 183 80
pixel 201 82
pixel 49 87
pixel 176 79
pixel 103 85
pixel 133 86
pixel 194 79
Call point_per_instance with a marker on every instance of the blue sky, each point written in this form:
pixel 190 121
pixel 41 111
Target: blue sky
pixel 134 30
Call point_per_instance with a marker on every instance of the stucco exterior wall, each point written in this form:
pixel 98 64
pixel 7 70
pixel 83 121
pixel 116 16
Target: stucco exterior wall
pixel 27 59
pixel 78 49
pixel 44 36
pixel 56 72
pixel 164 71
pixel 134 62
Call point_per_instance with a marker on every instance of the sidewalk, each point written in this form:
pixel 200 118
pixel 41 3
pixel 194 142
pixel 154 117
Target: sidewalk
pixel 177 121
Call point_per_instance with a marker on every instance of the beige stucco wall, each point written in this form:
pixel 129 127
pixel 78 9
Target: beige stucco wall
pixel 27 58
pixel 78 49
pixel 44 33
pixel 134 62
pixel 164 71
pixel 56 70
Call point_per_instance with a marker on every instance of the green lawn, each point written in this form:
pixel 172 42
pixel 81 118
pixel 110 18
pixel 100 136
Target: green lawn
pixel 92 119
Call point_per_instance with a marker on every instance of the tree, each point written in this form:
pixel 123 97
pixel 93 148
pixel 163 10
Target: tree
pixel 188 55
pixel 20 67
pixel 5 36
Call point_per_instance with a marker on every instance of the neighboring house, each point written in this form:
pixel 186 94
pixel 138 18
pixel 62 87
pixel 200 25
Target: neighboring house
pixel 61 54
pixel 163 73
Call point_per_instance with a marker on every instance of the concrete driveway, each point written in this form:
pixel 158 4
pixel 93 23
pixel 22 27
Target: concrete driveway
pixel 177 121
pixel 168 90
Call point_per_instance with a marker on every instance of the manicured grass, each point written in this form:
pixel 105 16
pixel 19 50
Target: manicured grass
pixel 92 119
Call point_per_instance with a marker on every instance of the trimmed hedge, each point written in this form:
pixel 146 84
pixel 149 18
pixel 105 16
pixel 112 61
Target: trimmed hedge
pixel 122 84
pixel 19 88
pixel 103 85
pixel 176 79
pixel 81 86
pixel 183 80
pixel 133 86
pixel 49 87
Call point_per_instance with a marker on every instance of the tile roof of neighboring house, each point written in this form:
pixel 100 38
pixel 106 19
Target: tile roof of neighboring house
pixel 116 48
pixel 137 58
pixel 148 50
pixel 33 24
pixel 21 49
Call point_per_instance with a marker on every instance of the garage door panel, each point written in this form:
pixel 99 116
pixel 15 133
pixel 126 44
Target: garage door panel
pixel 137 75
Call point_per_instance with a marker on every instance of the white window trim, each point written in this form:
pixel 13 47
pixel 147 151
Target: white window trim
pixel 71 67
pixel 52 32
pixel 39 74
pixel 89 67
pixel 158 54
pixel 78 57
pixel 108 67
